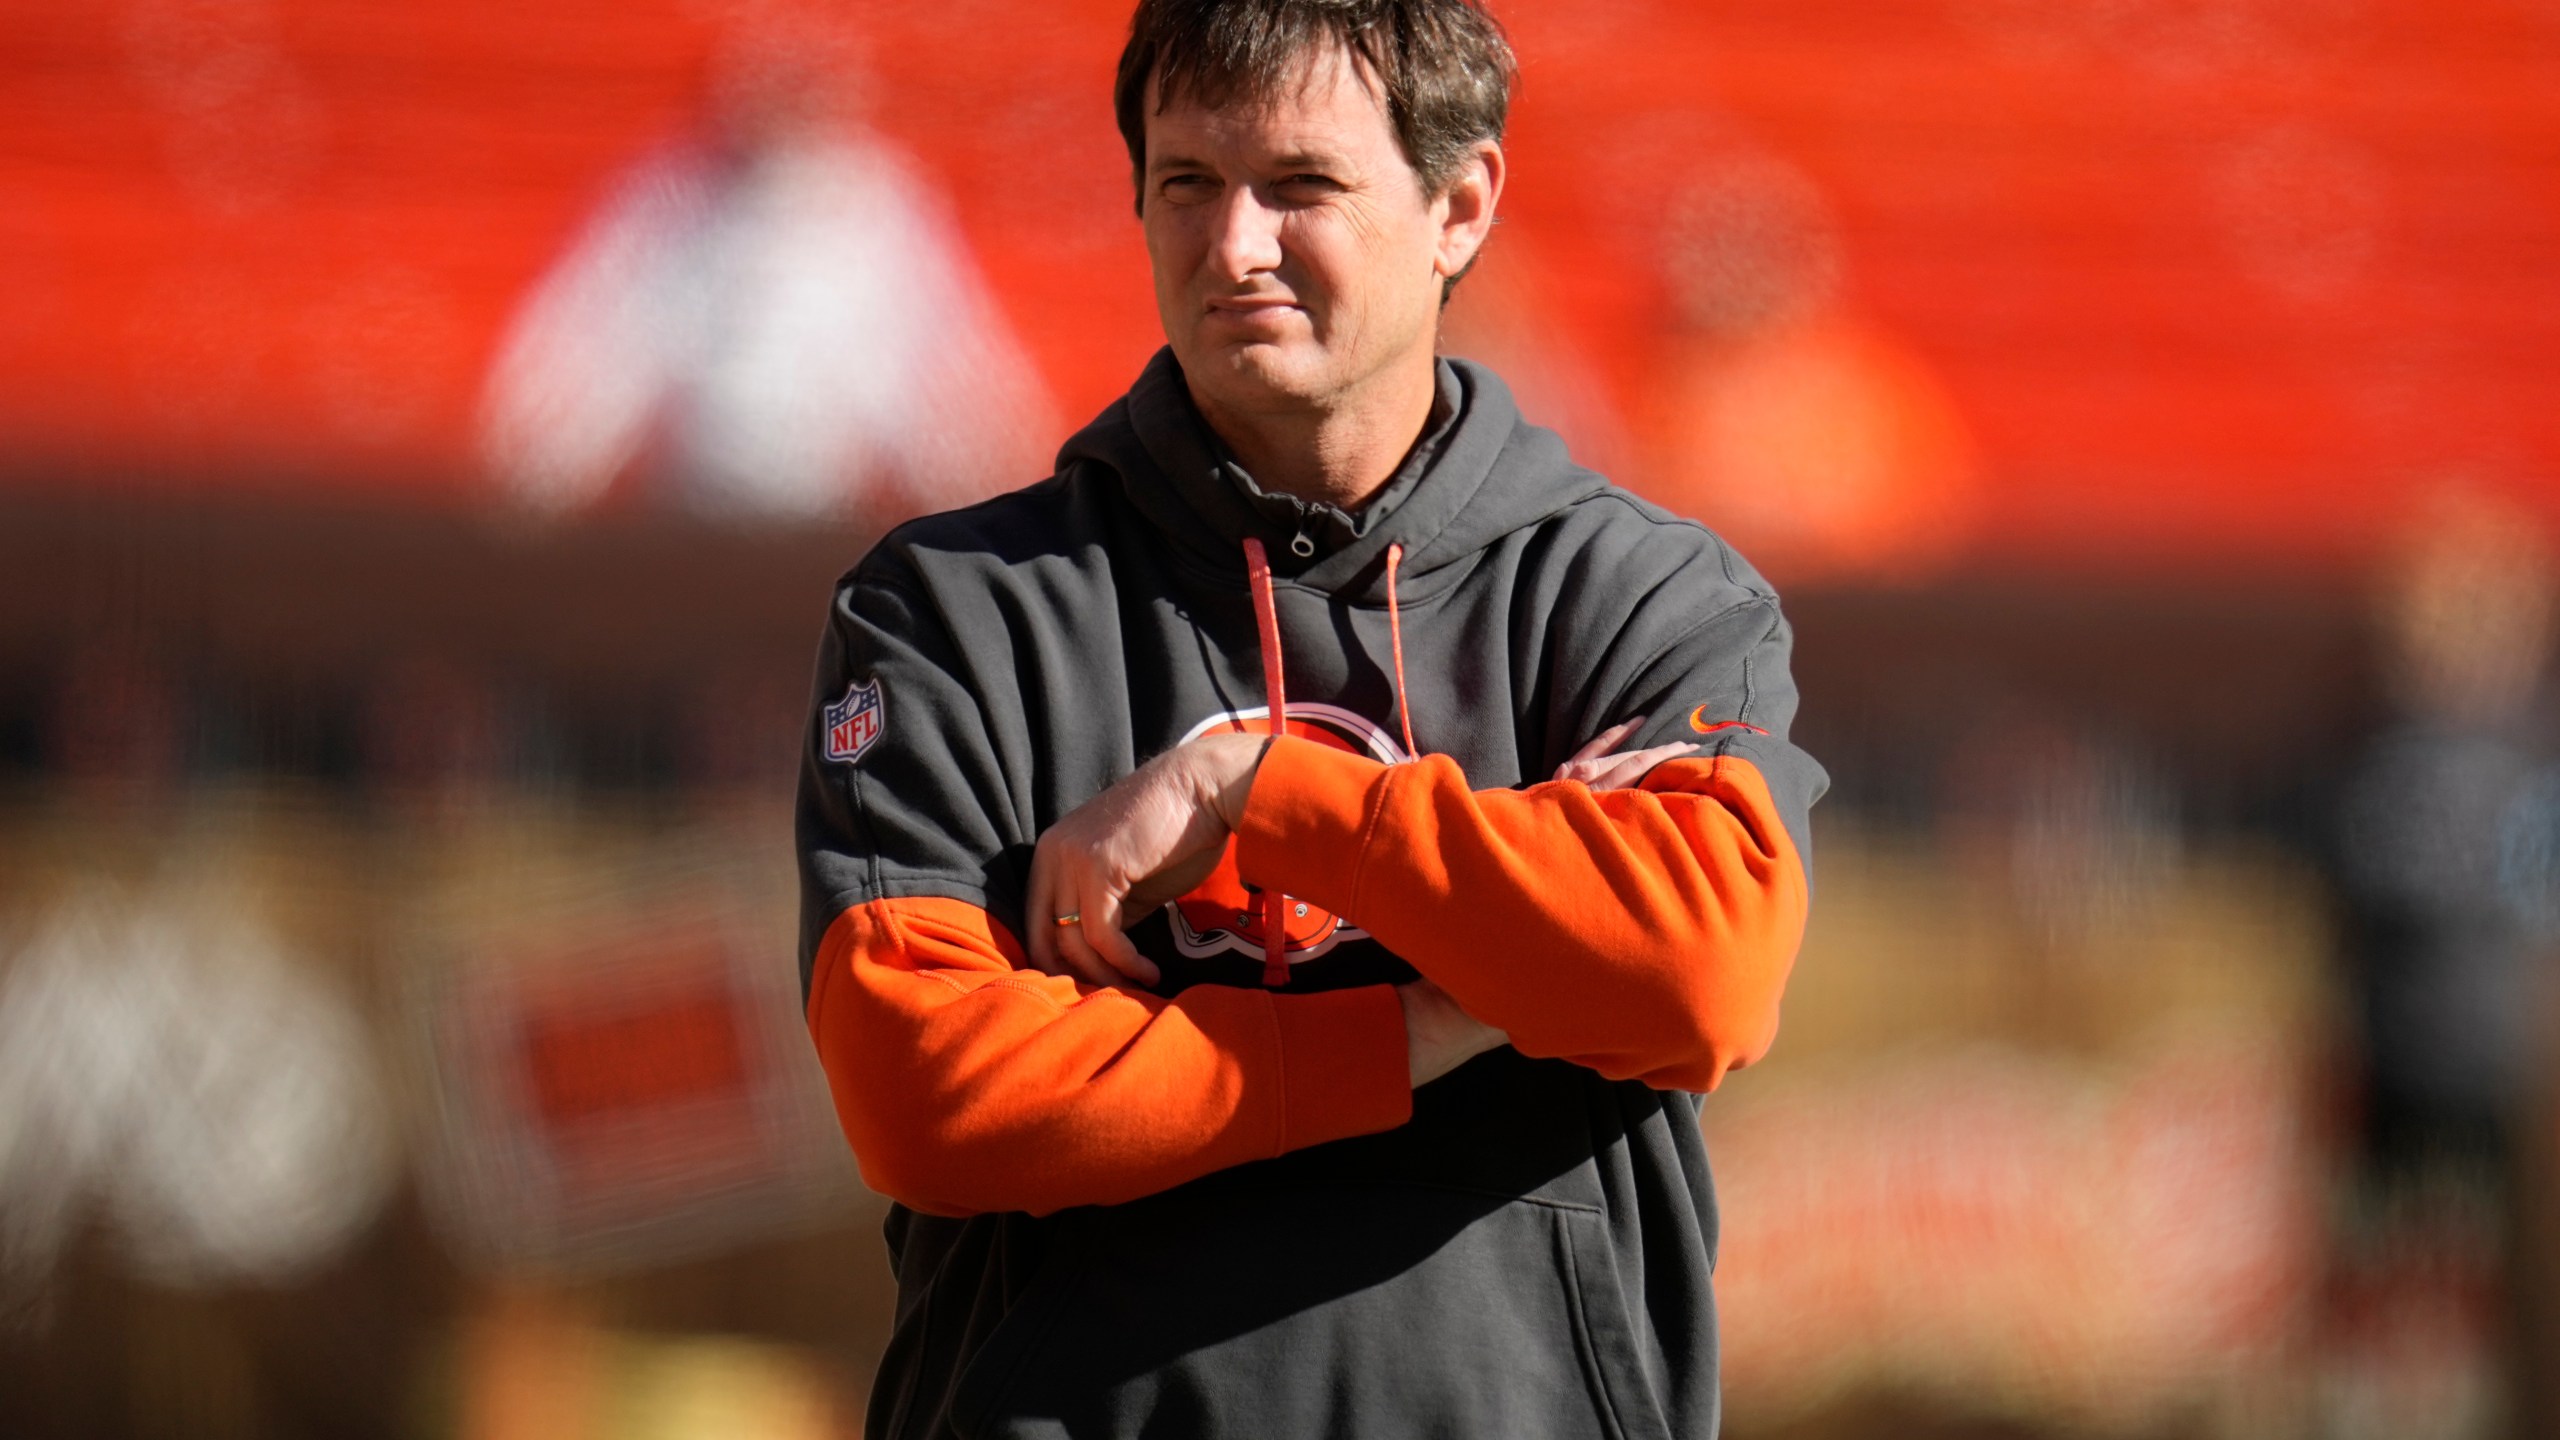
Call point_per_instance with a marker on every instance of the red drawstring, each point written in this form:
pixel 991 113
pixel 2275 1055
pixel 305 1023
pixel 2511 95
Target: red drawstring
pixel 1275 906
pixel 1266 617
pixel 1395 642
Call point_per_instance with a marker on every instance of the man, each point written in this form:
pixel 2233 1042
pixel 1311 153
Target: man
pixel 1324 1077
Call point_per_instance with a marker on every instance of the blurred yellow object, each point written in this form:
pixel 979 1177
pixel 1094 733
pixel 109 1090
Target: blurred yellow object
pixel 710 1388
pixel 537 1365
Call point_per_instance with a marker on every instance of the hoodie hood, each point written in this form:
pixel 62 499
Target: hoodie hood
pixel 1479 473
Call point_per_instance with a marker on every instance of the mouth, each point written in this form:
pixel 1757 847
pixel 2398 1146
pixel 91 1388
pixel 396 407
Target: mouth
pixel 1248 307
pixel 1255 321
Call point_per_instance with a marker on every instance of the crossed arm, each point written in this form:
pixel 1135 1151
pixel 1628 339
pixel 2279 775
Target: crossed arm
pixel 1158 833
pixel 1636 915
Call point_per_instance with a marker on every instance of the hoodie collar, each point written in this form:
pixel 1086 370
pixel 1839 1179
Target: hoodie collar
pixel 1477 473
pixel 1329 527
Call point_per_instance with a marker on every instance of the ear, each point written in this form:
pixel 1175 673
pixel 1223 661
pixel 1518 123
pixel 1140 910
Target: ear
pixel 1465 209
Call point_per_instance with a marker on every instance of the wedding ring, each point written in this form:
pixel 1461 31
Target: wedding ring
pixel 1072 917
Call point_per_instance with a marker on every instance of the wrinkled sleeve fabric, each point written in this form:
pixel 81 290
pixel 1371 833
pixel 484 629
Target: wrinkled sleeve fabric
pixel 1645 933
pixel 966 1082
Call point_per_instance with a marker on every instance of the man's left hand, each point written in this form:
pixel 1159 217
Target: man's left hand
pixel 1146 840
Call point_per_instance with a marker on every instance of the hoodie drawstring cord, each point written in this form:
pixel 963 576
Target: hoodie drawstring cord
pixel 1266 619
pixel 1266 616
pixel 1395 642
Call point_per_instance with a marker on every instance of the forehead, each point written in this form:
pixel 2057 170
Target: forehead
pixel 1324 103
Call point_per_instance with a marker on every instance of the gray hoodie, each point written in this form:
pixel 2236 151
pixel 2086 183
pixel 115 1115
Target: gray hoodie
pixel 1219 1209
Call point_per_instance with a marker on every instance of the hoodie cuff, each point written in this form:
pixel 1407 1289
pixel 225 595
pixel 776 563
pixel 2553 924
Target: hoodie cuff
pixel 1306 824
pixel 1345 1068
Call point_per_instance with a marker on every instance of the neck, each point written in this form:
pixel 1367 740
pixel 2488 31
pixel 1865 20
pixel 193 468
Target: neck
pixel 1342 451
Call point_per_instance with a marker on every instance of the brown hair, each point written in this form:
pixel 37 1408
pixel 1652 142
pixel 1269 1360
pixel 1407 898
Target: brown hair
pixel 1443 65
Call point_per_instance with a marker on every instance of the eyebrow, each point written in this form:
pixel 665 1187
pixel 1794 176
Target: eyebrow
pixel 1294 160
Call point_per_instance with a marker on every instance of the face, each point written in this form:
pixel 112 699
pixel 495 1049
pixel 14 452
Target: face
pixel 1297 258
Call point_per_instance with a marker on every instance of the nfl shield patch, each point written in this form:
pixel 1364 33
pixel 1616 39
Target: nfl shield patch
pixel 853 723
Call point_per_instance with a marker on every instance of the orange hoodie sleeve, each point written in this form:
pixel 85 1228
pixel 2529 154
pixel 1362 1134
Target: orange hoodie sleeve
pixel 967 1083
pixel 1644 933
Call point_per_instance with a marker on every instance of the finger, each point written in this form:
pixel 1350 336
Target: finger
pixel 1625 770
pixel 1102 931
pixel 1601 743
pixel 1599 746
pixel 1594 772
pixel 1077 955
pixel 1673 751
pixel 1622 771
pixel 1086 947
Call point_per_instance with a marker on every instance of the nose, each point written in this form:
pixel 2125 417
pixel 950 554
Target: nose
pixel 1245 235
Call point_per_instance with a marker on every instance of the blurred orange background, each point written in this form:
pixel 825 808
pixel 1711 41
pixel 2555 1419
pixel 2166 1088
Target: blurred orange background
pixel 2185 277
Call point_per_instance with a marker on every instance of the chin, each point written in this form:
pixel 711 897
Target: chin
pixel 1262 369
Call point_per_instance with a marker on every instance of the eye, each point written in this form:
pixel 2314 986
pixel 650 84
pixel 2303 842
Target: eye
pixel 1308 186
pixel 1186 186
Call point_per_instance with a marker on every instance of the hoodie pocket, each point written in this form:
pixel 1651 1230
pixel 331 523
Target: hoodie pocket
pixel 1343 1311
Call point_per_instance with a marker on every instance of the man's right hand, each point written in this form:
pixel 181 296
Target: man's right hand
pixel 1594 766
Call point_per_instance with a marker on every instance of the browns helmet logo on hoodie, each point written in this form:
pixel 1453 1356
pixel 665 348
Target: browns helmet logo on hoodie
pixel 1223 913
